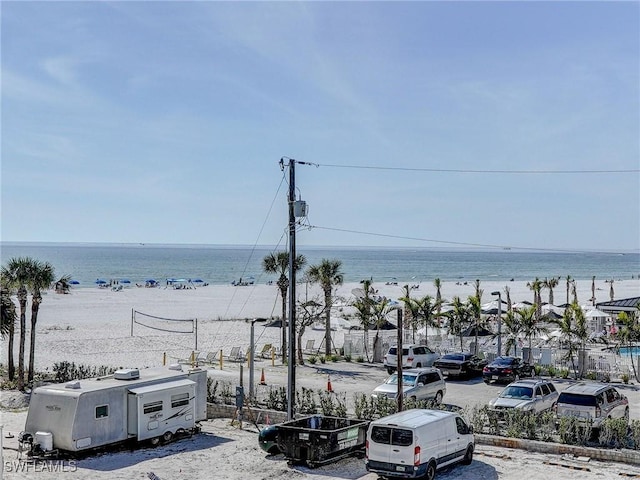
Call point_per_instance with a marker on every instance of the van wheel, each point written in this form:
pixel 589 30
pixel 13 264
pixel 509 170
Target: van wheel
pixel 430 474
pixel 167 437
pixel 438 398
pixel 390 370
pixel 468 457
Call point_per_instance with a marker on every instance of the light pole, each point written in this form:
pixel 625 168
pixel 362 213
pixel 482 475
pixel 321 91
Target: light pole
pixel 252 351
pixel 499 322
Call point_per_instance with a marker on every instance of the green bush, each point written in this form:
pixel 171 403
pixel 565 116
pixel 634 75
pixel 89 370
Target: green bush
pixel 347 358
pixel 613 433
pixel 313 359
pixel 359 359
pixel 323 359
pixel 564 373
pixel 335 358
pixel 552 371
pixel 625 378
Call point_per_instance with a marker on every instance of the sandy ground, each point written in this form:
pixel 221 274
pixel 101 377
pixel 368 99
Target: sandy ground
pixel 92 326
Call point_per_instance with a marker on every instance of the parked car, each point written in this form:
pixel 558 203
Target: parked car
pixel 417 384
pixel 413 356
pixel 593 402
pixel 460 364
pixel 526 395
pixel 506 369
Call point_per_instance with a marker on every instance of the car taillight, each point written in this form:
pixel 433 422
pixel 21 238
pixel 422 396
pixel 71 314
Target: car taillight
pixel 409 359
pixel 485 369
pixel 416 456
pixel 507 370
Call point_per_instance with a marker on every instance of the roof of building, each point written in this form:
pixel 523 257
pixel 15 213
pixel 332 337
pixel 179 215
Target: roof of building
pixel 622 305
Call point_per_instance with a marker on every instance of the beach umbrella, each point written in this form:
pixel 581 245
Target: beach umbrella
pixel 151 280
pixel 595 313
pixel 471 332
pixel 124 280
pixel 198 280
pixel 74 282
pixel 100 281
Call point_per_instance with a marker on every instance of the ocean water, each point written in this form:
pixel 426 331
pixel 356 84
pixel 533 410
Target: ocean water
pixel 216 264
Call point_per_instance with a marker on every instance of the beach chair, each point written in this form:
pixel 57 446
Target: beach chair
pixel 211 358
pixel 309 347
pixel 235 355
pixel 265 352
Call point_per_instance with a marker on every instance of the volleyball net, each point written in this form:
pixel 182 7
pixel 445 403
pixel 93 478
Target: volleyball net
pixel 143 321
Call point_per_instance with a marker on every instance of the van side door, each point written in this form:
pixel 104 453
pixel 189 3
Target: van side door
pixel 459 438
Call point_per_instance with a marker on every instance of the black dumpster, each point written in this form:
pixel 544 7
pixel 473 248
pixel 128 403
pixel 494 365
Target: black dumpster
pixel 317 440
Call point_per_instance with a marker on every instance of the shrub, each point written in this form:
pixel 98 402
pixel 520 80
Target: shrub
pixel 334 358
pixel 313 359
pixel 564 373
pixel 613 433
pixel 347 358
pixel 323 359
pixel 537 369
pixel 359 359
pixel 552 371
pixel 625 378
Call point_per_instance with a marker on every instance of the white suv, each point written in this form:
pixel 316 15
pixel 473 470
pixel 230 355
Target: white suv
pixel 413 356
pixel 593 402
pixel 527 396
pixel 417 384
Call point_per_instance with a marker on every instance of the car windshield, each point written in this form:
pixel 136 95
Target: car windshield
pixel 407 379
pixel 517 392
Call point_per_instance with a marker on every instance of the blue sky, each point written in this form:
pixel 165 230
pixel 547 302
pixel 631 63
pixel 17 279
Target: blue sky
pixel 164 122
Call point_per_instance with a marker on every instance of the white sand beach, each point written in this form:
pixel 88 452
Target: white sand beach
pixel 92 326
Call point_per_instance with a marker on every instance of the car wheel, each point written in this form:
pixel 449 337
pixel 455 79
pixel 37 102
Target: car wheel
pixel 430 474
pixel 468 457
pixel 438 398
pixel 418 365
pixel 390 370
pixel 486 381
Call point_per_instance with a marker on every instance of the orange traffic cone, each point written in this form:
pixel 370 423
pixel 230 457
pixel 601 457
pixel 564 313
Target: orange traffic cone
pixel 262 380
pixel 329 387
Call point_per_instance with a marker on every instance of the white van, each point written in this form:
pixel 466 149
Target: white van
pixel 415 443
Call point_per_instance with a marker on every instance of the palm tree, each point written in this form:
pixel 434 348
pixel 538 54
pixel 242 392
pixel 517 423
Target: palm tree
pixel 611 293
pixel 410 309
pixel 438 284
pixel 593 290
pixel 278 263
pixel 530 326
pixel 475 309
pixel 536 287
pixel 16 276
pixel 427 313
pixel 7 325
pixel 380 311
pixel 41 276
pixel 327 274
pixel 569 281
pixel 551 283
pixel 458 318
pixel 567 329
pixel 512 329
pixel 629 334
pixel 364 312
pixel 8 314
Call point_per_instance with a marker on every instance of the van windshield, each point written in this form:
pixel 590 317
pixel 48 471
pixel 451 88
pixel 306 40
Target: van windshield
pixel 392 436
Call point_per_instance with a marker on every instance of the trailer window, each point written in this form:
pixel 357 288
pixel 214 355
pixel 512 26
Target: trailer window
pixel 102 411
pixel 179 400
pixel 152 407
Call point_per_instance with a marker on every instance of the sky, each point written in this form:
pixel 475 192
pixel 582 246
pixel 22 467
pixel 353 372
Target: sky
pixel 418 124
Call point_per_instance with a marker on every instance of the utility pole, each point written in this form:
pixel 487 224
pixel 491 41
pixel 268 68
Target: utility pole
pixel 400 397
pixel 291 367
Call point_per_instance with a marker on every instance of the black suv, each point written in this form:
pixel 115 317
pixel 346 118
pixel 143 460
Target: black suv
pixel 506 369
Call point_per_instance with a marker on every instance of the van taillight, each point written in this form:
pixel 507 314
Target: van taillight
pixel 416 456
pixel 366 449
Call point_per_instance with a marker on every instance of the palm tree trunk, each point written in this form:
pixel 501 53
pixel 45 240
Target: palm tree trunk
pixel 299 342
pixel 11 367
pixel 22 298
pixel 35 307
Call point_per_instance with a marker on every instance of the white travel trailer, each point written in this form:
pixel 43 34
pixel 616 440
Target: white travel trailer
pixel 415 443
pixel 151 404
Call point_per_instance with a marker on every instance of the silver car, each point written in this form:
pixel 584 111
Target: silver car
pixel 527 396
pixel 413 356
pixel 417 384
pixel 593 402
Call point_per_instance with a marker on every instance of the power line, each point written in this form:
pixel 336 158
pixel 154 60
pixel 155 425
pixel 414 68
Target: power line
pixel 461 170
pixel 450 242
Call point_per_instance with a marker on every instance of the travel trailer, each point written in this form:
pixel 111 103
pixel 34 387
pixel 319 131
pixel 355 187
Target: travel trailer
pixel 415 443
pixel 153 404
